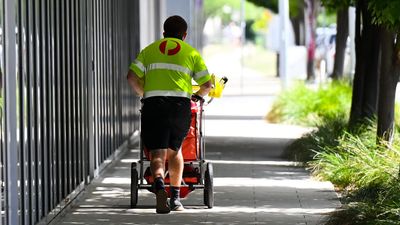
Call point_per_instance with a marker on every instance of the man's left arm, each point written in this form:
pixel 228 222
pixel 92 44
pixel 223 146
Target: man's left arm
pixel 135 82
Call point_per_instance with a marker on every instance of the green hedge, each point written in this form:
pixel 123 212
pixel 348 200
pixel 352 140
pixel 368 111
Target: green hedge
pixel 309 106
pixel 365 170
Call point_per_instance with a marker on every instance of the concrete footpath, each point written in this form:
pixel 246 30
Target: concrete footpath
pixel 253 184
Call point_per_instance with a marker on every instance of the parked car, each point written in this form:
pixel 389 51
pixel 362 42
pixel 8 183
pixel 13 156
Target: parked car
pixel 325 49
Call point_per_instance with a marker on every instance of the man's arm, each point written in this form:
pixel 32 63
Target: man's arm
pixel 204 89
pixel 135 82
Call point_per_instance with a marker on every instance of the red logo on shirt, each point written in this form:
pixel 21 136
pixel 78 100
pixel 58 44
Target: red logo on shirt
pixel 173 51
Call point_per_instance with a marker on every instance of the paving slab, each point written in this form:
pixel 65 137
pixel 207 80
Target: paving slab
pixel 253 185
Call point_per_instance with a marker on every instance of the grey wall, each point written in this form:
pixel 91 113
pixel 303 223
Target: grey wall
pixel 68 106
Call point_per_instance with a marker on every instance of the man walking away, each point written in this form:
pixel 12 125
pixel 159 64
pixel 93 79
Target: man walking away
pixel 162 74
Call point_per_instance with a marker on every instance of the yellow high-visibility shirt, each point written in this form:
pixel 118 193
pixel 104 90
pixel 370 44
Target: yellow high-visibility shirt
pixel 168 66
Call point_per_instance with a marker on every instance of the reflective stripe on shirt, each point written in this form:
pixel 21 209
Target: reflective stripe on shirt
pixel 200 74
pixel 140 65
pixel 166 93
pixel 169 66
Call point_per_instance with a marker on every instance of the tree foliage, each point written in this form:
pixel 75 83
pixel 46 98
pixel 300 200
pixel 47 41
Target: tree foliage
pixel 386 13
pixel 294 5
pixel 337 4
pixel 221 9
pixel 272 5
pixel 215 8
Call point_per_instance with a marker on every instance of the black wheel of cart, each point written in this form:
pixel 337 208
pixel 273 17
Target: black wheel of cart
pixel 209 186
pixel 134 185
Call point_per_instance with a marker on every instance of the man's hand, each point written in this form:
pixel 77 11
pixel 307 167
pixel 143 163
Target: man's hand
pixel 204 89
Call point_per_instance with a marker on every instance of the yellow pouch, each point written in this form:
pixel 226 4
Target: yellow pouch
pixel 218 87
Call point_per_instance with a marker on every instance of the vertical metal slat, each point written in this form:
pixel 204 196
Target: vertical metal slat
pixel 11 112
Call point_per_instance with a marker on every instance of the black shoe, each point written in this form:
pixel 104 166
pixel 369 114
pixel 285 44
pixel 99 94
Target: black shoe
pixel 175 205
pixel 162 204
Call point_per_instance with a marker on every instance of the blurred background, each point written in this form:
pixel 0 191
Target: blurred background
pixel 240 39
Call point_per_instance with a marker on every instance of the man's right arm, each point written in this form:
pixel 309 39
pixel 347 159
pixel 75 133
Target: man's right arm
pixel 204 89
pixel 135 82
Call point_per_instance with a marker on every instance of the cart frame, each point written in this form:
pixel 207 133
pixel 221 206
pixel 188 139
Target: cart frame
pixel 205 169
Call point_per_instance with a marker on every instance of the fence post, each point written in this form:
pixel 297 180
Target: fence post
pixel 12 200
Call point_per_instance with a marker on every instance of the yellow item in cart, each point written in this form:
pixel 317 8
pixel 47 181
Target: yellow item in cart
pixel 218 86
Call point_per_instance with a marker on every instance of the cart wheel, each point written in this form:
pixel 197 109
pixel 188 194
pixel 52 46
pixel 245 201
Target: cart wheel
pixel 134 185
pixel 209 186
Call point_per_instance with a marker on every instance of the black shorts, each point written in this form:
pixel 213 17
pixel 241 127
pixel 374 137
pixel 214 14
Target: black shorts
pixel 165 122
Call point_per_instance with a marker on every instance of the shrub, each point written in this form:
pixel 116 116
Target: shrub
pixel 358 161
pixel 370 206
pixel 303 105
pixel 323 138
pixel 366 169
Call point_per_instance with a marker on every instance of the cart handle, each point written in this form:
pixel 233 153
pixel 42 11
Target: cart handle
pixel 196 98
pixel 222 82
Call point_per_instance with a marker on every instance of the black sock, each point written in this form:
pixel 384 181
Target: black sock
pixel 159 183
pixel 175 192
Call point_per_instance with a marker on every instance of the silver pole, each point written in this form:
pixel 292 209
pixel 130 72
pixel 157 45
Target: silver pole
pixel 90 154
pixel 283 49
pixel 352 31
pixel 243 40
pixel 10 48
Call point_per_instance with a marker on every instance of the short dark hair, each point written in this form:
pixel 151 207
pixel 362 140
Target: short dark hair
pixel 175 26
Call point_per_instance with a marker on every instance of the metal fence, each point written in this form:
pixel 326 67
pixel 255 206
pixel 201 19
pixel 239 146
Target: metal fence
pixel 67 104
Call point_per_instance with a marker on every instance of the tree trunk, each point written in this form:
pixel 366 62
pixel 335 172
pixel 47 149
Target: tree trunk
pixel 342 28
pixel 299 26
pixel 366 78
pixel 371 48
pixel 298 29
pixel 358 81
pixel 390 71
pixel 311 14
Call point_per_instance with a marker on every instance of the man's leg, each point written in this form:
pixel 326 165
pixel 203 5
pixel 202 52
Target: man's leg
pixel 175 169
pixel 157 167
pixel 157 164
